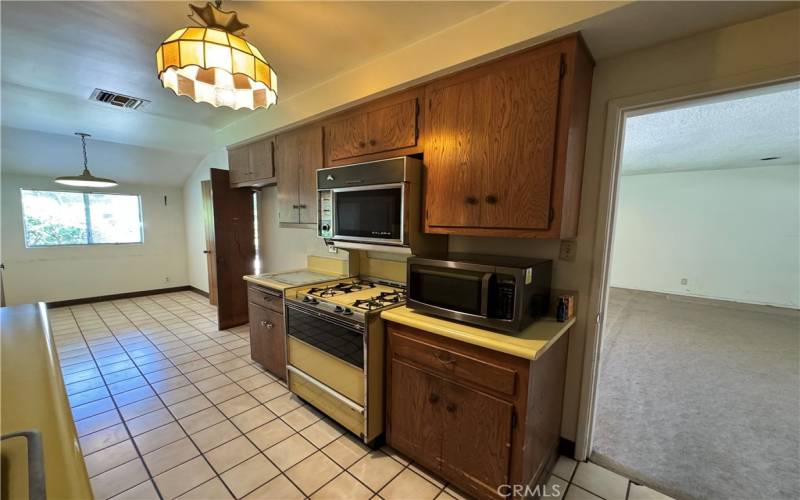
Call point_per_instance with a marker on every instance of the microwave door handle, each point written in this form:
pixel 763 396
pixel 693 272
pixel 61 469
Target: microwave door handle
pixel 485 294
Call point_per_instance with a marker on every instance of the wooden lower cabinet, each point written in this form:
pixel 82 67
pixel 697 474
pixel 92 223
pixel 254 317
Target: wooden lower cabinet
pixel 268 339
pixel 450 407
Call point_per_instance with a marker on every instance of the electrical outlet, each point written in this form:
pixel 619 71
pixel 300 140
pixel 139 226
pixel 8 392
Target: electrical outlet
pixel 332 249
pixel 684 281
pixel 568 250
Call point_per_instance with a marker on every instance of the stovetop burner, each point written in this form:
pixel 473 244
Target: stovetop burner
pixel 381 300
pixel 368 304
pixel 341 288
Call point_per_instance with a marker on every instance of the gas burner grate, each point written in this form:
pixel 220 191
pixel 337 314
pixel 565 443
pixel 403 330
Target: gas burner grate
pixel 368 304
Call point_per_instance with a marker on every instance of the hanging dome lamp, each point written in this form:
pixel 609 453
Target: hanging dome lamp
pixel 86 179
pixel 213 63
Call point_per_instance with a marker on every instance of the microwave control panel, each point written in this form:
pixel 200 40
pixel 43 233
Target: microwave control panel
pixel 325 214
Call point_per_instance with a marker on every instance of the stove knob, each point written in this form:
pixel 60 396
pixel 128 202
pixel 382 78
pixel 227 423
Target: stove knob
pixel 306 299
pixel 313 302
pixel 348 312
pixel 338 309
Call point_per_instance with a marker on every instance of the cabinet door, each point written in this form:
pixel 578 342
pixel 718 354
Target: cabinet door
pixel 261 160
pixel 477 444
pixel 267 333
pixel 347 138
pixel 415 414
pixel 456 146
pixel 258 344
pixel 298 157
pixel 518 180
pixel 392 127
pixel 239 164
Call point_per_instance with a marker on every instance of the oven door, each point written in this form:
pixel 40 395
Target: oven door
pixel 337 338
pixel 371 214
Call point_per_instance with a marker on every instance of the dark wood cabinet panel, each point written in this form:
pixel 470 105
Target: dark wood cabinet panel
pixel 481 434
pixel 417 423
pixel 477 444
pixel 456 152
pixel 252 165
pixel 504 144
pixel 298 157
pixel 392 127
pixel 268 340
pixel 347 138
pixel 517 186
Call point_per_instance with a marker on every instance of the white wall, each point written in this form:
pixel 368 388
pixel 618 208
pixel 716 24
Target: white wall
pixel 733 234
pixel 62 273
pixel 282 248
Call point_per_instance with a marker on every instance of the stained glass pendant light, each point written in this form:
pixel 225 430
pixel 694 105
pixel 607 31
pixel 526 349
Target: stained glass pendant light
pixel 212 63
pixel 86 179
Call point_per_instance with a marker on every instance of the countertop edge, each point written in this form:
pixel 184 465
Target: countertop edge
pixel 531 353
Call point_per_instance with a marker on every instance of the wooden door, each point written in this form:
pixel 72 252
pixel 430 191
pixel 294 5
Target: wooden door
pixel 347 138
pixel 239 164
pixel 208 226
pixel 286 164
pixel 415 414
pixel 456 146
pixel 261 160
pixel 309 160
pixel 234 237
pixel 392 127
pixel 477 444
pixel 518 182
pixel 268 340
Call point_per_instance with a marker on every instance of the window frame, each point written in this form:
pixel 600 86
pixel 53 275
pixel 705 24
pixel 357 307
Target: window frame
pixel 87 216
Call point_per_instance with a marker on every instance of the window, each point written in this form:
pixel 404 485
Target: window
pixel 53 218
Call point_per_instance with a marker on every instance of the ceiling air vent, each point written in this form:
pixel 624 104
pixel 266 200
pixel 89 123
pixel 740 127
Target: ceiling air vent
pixel 118 100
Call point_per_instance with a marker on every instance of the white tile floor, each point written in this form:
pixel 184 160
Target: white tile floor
pixel 167 406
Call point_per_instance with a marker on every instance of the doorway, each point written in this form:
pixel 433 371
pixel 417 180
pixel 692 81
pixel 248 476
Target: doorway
pixel 698 386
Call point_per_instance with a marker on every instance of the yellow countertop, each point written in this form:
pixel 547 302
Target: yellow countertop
pixel 529 343
pixel 271 280
pixel 34 397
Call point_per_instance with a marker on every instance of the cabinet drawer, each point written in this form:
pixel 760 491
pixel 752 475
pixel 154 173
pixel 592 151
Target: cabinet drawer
pixel 261 297
pixel 459 366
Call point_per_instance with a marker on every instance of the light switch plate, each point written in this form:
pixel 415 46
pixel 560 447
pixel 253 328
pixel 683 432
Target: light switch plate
pixel 568 250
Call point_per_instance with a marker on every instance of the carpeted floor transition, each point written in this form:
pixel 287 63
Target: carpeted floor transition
pixel 700 399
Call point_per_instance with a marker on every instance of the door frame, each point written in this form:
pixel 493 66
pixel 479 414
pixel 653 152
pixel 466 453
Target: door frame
pixel 616 113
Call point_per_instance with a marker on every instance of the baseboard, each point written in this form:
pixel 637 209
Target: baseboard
pixel 708 301
pixel 566 447
pixel 116 296
pixel 197 290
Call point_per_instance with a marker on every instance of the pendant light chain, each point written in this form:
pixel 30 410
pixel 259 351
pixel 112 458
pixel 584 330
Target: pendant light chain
pixel 85 160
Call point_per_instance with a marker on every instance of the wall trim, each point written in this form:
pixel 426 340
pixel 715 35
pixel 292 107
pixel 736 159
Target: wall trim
pixel 198 291
pixel 117 296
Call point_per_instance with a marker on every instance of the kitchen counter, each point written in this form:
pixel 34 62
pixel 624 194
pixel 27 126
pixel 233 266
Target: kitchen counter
pixel 288 279
pixel 34 397
pixel 530 343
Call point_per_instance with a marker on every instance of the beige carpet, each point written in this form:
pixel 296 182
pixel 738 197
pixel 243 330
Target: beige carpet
pixel 700 399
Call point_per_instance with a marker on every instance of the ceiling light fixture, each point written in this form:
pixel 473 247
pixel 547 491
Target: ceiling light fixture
pixel 86 179
pixel 214 64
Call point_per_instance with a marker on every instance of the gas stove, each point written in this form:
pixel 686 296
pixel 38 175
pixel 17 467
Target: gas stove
pixel 351 298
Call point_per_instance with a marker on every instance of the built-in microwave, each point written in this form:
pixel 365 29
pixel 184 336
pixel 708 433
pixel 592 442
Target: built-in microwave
pixel 374 206
pixel 497 292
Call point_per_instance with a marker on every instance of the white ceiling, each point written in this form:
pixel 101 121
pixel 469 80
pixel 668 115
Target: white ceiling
pixel 51 155
pixel 732 131
pixel 55 53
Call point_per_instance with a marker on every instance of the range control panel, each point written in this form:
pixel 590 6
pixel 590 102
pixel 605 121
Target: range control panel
pixel 326 214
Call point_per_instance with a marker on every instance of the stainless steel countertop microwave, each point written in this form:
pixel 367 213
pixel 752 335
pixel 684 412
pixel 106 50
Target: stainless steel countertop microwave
pixel 492 291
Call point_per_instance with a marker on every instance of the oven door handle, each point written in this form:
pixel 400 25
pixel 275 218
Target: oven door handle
pixel 325 317
pixel 324 388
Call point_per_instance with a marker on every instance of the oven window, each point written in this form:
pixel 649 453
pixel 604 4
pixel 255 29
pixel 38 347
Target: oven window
pixel 458 291
pixel 336 340
pixel 373 213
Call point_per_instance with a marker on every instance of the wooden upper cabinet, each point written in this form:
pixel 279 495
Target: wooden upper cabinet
pixel 298 157
pixel 384 128
pixel 504 144
pixel 252 165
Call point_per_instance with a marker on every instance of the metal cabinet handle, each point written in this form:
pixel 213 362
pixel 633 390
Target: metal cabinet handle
pixel 445 361
pixel 433 398
pixel 295 206
pixel 266 323
pixel 451 407
pixel 206 251
pixel 471 200
pixel 491 199
pixel 303 206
